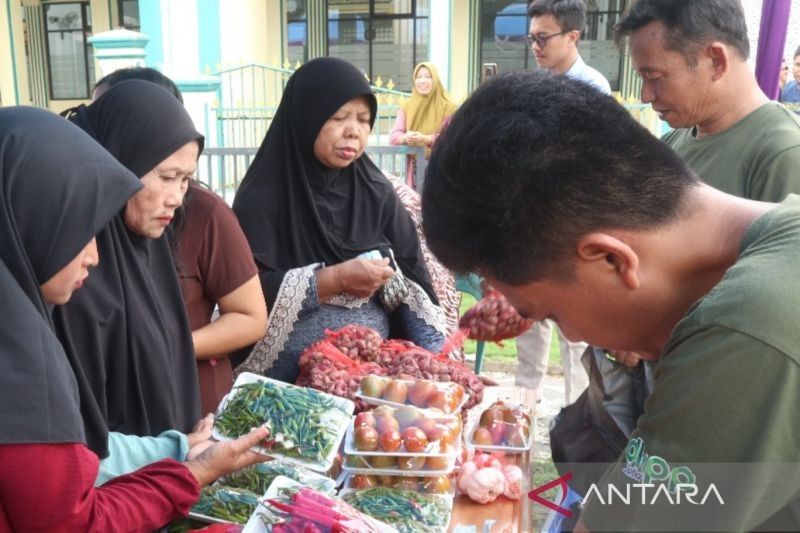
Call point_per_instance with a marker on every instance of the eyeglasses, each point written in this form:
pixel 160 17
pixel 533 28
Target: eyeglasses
pixel 541 40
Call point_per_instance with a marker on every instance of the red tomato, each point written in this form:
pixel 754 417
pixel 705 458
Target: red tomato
pixel 414 439
pixel 390 440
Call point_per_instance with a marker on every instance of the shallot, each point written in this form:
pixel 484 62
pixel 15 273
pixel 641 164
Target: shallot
pixel 494 319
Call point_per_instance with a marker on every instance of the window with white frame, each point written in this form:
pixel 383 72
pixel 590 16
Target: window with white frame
pixel 69 55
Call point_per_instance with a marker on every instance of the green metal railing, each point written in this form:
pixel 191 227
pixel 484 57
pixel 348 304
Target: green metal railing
pixel 222 169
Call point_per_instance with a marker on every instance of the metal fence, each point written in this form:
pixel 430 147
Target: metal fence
pixel 222 169
pixel 249 95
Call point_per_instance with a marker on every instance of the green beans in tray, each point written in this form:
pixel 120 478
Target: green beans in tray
pixel 222 504
pixel 305 425
pixel 408 511
pixel 257 478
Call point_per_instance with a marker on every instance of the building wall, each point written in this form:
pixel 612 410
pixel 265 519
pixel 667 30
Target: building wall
pixel 251 32
pixel 14 86
pixel 459 50
pixel 13 83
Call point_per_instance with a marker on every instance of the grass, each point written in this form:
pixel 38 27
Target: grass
pixel 494 351
pixel 543 471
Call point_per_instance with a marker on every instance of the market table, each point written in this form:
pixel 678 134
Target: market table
pixel 510 516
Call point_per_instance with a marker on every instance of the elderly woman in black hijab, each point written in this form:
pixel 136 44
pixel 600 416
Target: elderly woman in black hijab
pixel 58 188
pixel 127 334
pixel 325 224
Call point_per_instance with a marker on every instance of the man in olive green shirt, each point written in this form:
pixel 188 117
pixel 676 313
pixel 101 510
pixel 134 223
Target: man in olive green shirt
pixel 692 58
pixel 701 281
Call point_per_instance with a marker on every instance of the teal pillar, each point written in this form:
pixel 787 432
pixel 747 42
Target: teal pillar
pixel 150 21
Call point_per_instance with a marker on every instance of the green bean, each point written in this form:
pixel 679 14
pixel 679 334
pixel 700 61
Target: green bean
pixel 409 511
pixel 294 416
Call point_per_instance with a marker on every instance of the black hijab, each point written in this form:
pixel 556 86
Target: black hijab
pixel 58 188
pixel 295 211
pixel 126 333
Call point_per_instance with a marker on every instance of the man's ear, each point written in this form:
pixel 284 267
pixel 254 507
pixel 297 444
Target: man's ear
pixel 719 54
pixel 573 36
pixel 613 254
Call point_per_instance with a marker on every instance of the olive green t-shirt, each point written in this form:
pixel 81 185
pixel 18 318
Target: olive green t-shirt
pixel 756 158
pixel 727 390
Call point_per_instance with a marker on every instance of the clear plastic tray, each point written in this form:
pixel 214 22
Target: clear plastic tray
pixel 440 385
pixel 260 475
pixel 235 494
pixel 446 503
pixel 506 448
pixel 256 525
pixel 333 418
pixel 357 464
pixel 431 450
pixel 407 483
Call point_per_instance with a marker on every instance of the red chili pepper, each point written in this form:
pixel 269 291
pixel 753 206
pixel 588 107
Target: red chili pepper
pixel 307 503
pixel 297 511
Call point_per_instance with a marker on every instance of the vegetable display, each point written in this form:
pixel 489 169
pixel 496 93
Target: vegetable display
pixel 408 511
pixel 224 503
pixel 301 510
pixel 257 478
pixel 484 478
pixel 337 363
pixel 503 427
pixel 403 430
pixel 443 485
pixel 494 319
pixel 303 423
pixel 446 396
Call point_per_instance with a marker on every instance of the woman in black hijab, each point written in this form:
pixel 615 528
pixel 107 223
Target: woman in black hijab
pixel 314 210
pixel 58 188
pixel 132 309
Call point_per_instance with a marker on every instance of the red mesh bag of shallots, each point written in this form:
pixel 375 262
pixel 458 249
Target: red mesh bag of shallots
pixel 324 353
pixel 324 367
pixel 494 319
pixel 358 342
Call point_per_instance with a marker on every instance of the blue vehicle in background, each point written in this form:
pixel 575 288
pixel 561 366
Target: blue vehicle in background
pixel 511 23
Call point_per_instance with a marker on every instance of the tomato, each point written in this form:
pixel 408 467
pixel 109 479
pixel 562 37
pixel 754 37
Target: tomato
pixel 366 439
pixel 414 439
pixel 411 463
pixel 363 482
pixel 365 419
pixel 437 485
pixel 390 440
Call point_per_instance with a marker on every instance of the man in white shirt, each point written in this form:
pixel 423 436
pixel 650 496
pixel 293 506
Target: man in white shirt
pixel 555 30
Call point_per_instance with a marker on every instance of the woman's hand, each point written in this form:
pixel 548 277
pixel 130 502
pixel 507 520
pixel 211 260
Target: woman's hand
pixel 201 431
pixel 362 277
pixel 225 457
pixel 414 138
pixel 200 435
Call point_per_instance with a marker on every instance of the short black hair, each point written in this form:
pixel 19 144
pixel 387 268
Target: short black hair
pixel 691 24
pixel 796 52
pixel 140 73
pixel 531 163
pixel 569 14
